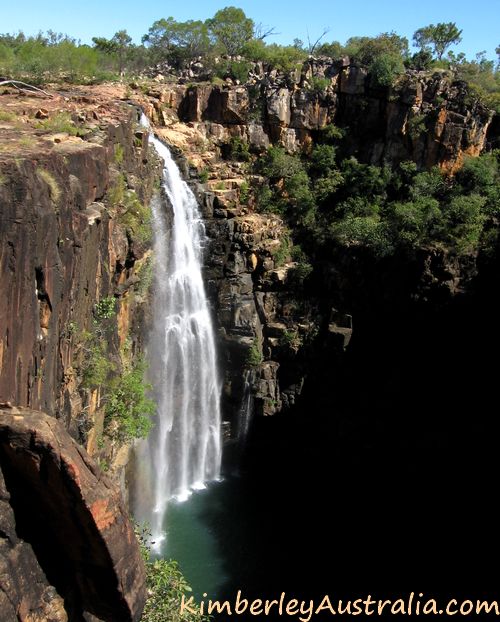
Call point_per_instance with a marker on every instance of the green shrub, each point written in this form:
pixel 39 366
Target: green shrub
pixel 166 585
pixel 244 193
pixel 254 356
pixel 319 84
pixel 96 366
pixel 105 308
pixel 236 149
pixel 417 126
pixel 136 217
pixel 118 153
pixel 282 254
pixel 367 231
pixel 145 275
pixel 128 410
pixel 385 69
pixel 291 340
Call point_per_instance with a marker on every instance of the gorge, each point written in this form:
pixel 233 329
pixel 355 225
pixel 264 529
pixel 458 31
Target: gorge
pixel 354 377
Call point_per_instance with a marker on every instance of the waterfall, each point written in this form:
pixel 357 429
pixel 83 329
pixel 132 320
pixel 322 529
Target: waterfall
pixel 183 451
pixel 246 407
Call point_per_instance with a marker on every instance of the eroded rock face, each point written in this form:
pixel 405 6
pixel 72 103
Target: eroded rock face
pixel 427 118
pixel 63 247
pixel 25 593
pixel 73 517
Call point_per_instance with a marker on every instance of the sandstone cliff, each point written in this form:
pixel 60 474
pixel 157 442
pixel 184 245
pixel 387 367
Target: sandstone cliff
pixel 74 174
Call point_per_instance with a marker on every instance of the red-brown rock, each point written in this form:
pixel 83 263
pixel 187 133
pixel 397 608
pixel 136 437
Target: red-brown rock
pixel 73 516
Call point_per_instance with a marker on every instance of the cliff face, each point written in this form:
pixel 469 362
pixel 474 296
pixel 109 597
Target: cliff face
pixel 268 324
pixel 74 172
pixel 64 247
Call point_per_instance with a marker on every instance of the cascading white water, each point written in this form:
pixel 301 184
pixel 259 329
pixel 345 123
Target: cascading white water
pixel 183 451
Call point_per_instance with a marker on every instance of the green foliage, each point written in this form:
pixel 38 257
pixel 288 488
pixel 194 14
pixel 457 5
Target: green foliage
pixel 177 42
pixel 231 30
pixel 119 47
pixel 482 77
pixel 298 274
pixel 5 115
pixel 96 366
pixel 331 134
pixel 118 153
pixel 244 193
pixel 416 126
pixel 166 585
pixel 383 55
pixel 282 254
pixel 61 122
pixel 136 217
pixel 237 70
pixel 116 194
pixel 105 309
pixel 203 176
pixel 133 215
pixel 291 193
pixel 128 410
pixel 145 275
pixel 291 340
pixel 385 68
pixel 285 58
pixel 254 356
pixel 332 50
pixel 368 231
pixel 236 149
pixel 319 84
pixel 439 37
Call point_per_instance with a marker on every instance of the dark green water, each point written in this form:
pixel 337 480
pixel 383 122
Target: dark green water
pixel 192 540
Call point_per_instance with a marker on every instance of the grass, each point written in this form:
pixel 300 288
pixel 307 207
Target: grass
pixel 7 116
pixel 49 179
pixel 27 141
pixel 60 123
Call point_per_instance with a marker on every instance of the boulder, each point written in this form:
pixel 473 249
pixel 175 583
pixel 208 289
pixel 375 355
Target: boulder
pixel 74 518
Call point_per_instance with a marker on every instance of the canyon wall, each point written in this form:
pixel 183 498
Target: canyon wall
pixel 267 322
pixel 74 270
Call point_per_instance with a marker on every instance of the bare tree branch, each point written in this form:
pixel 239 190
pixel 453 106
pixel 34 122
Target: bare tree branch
pixel 22 86
pixel 261 31
pixel 312 47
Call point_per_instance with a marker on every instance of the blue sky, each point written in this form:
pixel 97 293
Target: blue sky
pixel 479 19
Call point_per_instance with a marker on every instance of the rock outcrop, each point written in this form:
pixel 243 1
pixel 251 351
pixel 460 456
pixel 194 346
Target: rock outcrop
pixel 428 118
pixel 75 521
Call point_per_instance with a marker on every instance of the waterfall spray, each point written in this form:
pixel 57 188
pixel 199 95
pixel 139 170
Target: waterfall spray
pixel 183 451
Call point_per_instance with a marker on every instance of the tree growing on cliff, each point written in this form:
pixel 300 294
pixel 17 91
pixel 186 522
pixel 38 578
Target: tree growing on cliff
pixel 439 37
pixel 231 29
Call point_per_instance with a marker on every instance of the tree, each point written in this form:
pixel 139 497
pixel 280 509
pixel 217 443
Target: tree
pixel 177 42
pixel 232 29
pixel 439 37
pixel 119 46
